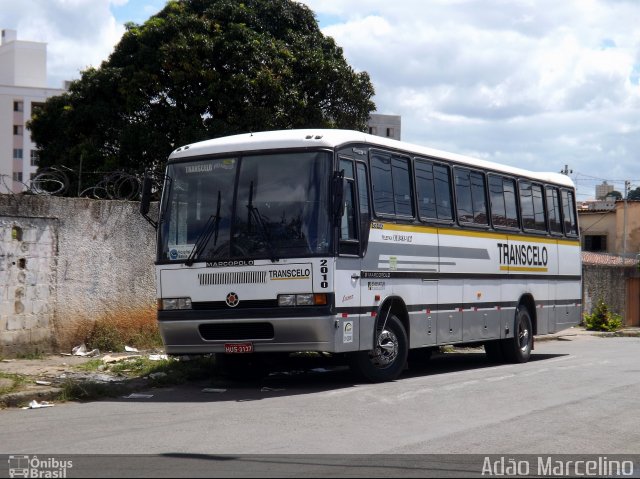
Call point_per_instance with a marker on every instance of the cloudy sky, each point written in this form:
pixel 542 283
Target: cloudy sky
pixel 534 83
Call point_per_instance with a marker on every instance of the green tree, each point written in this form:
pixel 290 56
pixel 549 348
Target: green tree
pixel 634 194
pixel 614 194
pixel 202 69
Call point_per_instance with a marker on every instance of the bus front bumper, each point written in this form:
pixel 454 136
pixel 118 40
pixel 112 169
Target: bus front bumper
pixel 184 335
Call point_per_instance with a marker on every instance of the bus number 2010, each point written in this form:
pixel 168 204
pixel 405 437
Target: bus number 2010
pixel 324 271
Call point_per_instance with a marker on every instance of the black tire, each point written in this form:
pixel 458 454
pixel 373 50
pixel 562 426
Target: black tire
pixel 418 358
pixel 493 349
pixel 386 361
pixel 518 348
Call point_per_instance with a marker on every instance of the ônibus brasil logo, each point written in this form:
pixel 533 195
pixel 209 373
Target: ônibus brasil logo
pixel 27 466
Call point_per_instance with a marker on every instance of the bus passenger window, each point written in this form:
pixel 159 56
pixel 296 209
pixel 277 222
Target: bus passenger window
pixel 433 190
pixel 532 206
pixel 470 192
pixel 553 210
pixel 568 212
pixel 444 204
pixel 425 190
pixel 382 184
pixel 391 183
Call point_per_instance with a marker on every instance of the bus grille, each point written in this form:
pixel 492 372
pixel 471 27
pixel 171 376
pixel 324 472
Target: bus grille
pixel 236 277
pixel 236 331
pixel 249 304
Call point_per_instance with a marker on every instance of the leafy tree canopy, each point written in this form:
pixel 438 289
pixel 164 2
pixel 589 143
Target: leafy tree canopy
pixel 614 194
pixel 634 194
pixel 201 69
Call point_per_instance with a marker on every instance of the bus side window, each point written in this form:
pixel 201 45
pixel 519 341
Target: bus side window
pixel 382 184
pixel 363 197
pixel 402 186
pixel 496 197
pixel 553 210
pixel 433 191
pixel 444 205
pixel 391 183
pixel 532 206
pixel 426 191
pixel 502 194
pixel 348 224
pixel 470 193
pixel 569 214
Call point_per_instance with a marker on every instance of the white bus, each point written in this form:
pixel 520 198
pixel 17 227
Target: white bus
pixel 343 242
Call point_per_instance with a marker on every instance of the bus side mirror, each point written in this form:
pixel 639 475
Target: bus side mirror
pixel 145 200
pixel 337 188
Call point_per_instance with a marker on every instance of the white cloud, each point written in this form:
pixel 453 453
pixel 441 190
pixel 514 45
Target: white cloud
pixel 536 83
pixel 78 33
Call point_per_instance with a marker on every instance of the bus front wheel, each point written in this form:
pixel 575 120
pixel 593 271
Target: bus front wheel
pixel 388 357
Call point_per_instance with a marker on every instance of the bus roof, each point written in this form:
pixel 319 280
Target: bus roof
pixel 330 138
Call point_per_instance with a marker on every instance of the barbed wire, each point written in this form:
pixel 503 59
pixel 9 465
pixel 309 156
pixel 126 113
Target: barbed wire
pixel 55 181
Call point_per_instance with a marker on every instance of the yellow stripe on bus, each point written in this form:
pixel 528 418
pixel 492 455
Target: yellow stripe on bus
pixel 476 234
pixel 524 269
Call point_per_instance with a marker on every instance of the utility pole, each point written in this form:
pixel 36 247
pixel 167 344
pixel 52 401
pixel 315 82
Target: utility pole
pixel 566 170
pixel 627 186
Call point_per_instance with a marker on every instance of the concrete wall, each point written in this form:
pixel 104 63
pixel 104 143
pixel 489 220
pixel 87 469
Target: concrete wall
pixel 599 223
pixel 632 227
pixel 65 261
pixel 617 285
pixel 603 282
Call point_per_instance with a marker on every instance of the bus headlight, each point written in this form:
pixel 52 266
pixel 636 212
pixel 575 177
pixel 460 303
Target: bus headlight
pixel 306 299
pixel 171 304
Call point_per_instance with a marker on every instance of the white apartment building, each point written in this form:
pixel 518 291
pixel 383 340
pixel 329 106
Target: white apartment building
pixel 388 126
pixel 603 190
pixel 23 88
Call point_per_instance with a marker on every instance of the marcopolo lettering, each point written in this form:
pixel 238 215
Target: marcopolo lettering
pixel 301 273
pixel 224 264
pixel 522 255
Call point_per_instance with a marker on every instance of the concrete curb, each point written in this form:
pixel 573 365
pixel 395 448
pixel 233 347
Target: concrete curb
pixel 23 398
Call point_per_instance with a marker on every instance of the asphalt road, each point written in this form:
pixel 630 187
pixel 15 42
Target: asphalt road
pixel 577 396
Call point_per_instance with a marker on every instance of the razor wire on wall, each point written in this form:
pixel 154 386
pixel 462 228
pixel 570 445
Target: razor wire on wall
pixel 64 181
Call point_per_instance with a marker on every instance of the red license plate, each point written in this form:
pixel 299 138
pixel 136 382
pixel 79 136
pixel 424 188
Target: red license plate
pixel 237 348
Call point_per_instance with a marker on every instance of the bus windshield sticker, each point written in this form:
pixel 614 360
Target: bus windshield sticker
pixel 225 164
pixel 178 252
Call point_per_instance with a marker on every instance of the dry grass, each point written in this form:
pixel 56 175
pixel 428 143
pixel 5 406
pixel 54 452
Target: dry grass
pixel 113 333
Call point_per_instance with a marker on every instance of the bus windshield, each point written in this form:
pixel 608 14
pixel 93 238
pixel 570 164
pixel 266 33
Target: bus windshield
pixel 247 207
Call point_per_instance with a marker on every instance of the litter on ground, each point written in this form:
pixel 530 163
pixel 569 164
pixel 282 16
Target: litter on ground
pixel 38 405
pixel 138 396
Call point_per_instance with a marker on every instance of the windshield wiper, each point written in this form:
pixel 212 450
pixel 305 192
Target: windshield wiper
pixel 211 227
pixel 253 212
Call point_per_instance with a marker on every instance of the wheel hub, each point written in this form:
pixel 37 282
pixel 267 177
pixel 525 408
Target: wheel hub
pixel 386 349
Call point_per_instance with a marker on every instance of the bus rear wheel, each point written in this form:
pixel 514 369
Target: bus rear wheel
pixel 518 349
pixel 388 357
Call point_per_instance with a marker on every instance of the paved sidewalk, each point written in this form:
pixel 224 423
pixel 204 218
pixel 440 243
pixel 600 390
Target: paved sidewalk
pixel 25 380
pixel 21 376
pixel 581 331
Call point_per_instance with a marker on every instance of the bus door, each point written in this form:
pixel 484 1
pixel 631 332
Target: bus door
pixel 353 233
